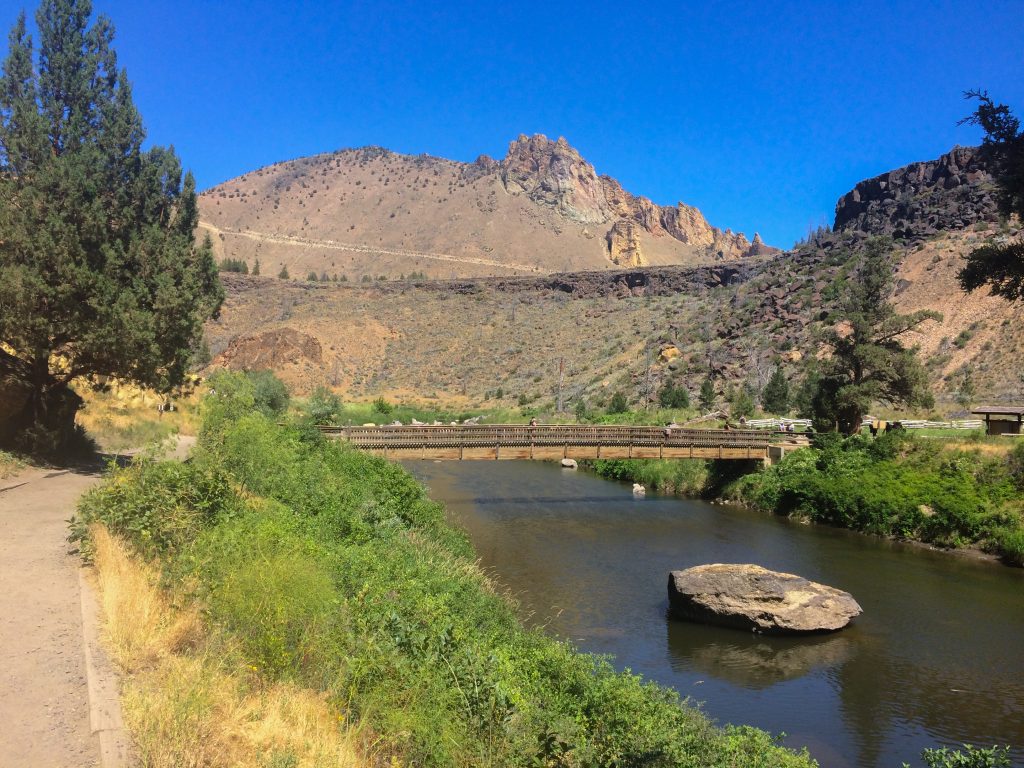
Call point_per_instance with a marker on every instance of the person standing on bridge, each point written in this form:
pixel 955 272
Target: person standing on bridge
pixel 533 422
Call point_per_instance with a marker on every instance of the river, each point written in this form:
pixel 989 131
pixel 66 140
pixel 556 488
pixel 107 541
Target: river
pixel 937 658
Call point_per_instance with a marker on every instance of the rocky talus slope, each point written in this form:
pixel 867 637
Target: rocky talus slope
pixel 371 212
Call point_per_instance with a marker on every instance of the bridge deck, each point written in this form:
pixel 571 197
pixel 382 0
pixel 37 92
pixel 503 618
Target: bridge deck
pixel 516 441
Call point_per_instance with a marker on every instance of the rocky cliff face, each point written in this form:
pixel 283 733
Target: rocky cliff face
pixel 555 175
pixel 918 200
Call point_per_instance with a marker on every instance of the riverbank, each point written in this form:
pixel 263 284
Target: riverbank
pixel 332 570
pixel 950 495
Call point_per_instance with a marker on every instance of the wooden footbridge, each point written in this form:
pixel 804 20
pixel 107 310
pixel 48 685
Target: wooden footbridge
pixel 516 441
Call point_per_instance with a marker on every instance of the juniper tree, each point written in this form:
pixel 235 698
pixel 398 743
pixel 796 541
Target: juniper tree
pixel 999 264
pixel 706 398
pixel 100 274
pixel 775 396
pixel 869 362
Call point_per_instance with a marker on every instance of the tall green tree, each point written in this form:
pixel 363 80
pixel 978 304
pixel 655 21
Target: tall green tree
pixel 999 264
pixel 706 397
pixel 671 395
pixel 775 396
pixel 869 362
pixel 99 270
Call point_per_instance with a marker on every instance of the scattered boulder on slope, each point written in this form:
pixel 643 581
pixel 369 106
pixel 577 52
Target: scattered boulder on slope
pixel 755 598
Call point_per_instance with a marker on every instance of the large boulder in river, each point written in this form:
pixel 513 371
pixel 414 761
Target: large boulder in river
pixel 754 598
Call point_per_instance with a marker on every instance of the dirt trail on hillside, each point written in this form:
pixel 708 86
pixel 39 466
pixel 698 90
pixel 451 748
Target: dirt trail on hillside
pixel 45 719
pixel 356 248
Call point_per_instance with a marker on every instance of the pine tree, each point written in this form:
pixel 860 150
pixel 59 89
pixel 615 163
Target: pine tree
pixel 283 274
pixel 707 395
pixel 99 270
pixel 256 268
pixel 618 403
pixel 742 402
pixel 775 397
pixel 673 396
pixel 999 264
pixel 868 362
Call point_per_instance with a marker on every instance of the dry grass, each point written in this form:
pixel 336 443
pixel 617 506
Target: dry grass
pixel 188 700
pixel 125 417
pixel 990 447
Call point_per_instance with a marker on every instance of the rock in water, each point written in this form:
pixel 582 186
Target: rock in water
pixel 569 463
pixel 754 598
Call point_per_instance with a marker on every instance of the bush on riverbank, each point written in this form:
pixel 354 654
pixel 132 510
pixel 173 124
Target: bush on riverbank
pixel 898 485
pixel 682 477
pixel 332 570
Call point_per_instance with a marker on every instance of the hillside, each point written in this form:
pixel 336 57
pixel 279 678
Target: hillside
pixel 630 330
pixel 372 212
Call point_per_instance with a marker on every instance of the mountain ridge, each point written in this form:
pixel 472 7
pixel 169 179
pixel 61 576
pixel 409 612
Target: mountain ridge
pixel 542 208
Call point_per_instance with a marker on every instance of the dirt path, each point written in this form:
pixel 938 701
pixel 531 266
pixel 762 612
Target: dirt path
pixel 334 245
pixel 59 703
pixel 44 698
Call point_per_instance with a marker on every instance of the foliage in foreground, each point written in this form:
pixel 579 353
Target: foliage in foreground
pixel 969 757
pixel 902 486
pixel 333 570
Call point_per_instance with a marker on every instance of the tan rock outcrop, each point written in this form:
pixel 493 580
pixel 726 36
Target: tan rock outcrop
pixel 554 174
pixel 624 245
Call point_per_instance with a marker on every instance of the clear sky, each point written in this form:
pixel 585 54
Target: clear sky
pixel 760 113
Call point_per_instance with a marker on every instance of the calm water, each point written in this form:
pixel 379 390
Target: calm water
pixel 936 658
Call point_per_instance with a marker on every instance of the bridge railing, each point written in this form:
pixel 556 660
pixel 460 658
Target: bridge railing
pixel 512 435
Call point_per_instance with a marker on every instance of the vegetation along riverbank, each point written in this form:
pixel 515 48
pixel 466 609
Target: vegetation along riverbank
pixel 951 493
pixel 317 567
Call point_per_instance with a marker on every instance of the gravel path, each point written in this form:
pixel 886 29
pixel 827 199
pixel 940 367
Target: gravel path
pixel 48 662
pixel 44 698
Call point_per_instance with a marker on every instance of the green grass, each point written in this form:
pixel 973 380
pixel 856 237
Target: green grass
pixel 682 477
pixel 333 569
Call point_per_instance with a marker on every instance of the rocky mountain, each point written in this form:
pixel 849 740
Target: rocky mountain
pixel 371 212
pixel 630 330
pixel 920 200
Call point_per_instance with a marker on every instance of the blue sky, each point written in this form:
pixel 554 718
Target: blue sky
pixel 761 114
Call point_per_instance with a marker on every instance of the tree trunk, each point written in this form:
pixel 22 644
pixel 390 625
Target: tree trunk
pixel 37 410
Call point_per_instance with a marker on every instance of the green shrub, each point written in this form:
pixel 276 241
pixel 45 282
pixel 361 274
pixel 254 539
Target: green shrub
pixel 679 476
pixel 324 407
pixel 895 485
pixel 970 757
pixel 269 392
pixel 1015 465
pixel 618 403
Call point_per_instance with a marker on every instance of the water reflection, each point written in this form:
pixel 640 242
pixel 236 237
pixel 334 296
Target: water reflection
pixel 749 660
